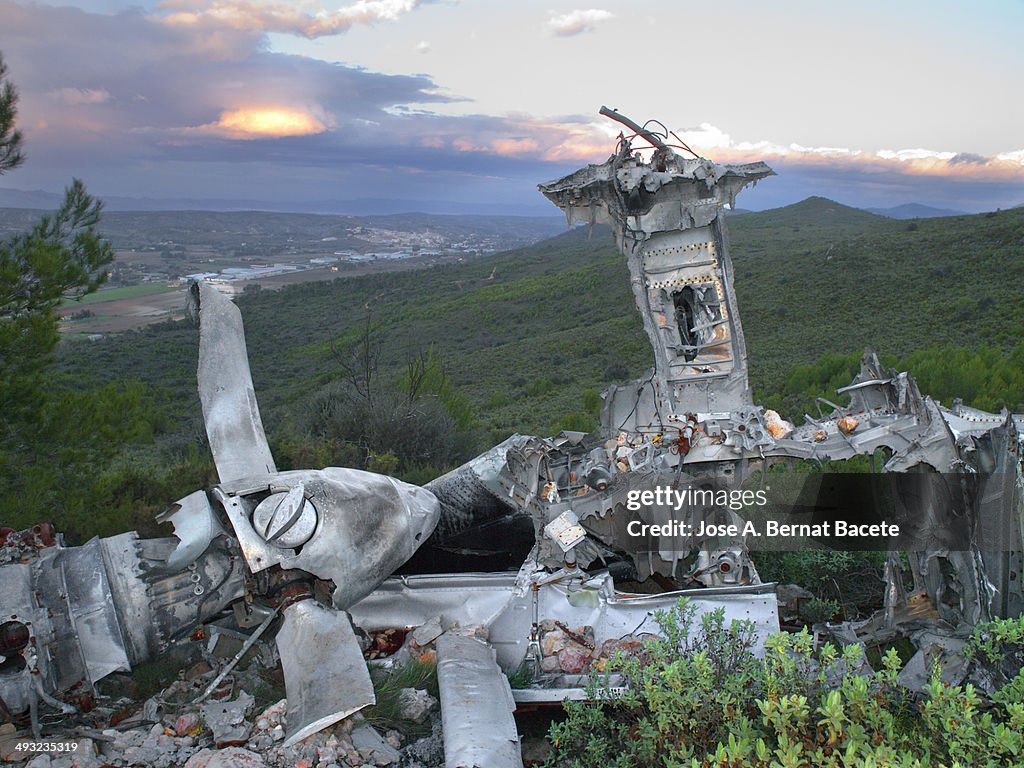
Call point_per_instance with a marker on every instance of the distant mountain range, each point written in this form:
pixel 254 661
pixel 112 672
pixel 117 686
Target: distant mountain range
pixel 18 198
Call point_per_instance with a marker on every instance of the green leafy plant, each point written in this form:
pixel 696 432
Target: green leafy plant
pixel 699 696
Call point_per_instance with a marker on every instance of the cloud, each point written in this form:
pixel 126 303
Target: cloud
pixel 157 109
pixel 288 18
pixel 142 89
pixel 720 146
pixel 75 96
pixel 576 22
pixel 141 106
pixel 422 47
pixel 968 157
pixel 910 155
pixel 263 123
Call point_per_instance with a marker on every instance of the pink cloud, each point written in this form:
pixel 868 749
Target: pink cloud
pixel 287 18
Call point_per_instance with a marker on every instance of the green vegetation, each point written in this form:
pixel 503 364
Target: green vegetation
pixel 844 583
pixel 699 697
pixel 527 338
pixel 116 294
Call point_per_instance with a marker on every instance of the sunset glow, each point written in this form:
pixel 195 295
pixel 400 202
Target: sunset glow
pixel 306 100
pixel 267 123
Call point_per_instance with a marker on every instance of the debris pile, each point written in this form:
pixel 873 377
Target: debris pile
pixel 227 730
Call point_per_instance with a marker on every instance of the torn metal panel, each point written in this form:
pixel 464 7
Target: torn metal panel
pixel 471 495
pixel 195 526
pixel 93 615
pixel 476 706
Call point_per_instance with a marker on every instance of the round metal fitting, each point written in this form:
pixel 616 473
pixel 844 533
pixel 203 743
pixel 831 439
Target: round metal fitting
pixel 286 520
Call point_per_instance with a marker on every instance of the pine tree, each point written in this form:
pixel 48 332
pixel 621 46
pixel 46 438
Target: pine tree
pixel 53 439
pixel 10 138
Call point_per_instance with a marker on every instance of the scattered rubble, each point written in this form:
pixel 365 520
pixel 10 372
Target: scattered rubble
pixel 170 729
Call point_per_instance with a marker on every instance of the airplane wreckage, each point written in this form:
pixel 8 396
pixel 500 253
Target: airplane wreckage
pixel 311 554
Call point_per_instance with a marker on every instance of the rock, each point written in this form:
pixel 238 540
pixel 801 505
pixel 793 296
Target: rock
pixel 415 704
pixel 187 724
pixel 84 756
pixel 232 757
pixel 573 660
pixel 148 756
pixel 550 664
pixel 428 632
pixel 552 642
pixel 9 739
pixel 372 747
pixel 151 709
pixel 226 720
pixel 626 645
pixel 152 739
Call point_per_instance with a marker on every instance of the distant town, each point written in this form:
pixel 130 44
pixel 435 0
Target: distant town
pixel 158 253
pixel 231 267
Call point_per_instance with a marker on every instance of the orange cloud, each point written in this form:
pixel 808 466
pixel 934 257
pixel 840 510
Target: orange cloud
pixel 264 123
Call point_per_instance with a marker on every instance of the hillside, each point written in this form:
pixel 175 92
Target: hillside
pixel 524 333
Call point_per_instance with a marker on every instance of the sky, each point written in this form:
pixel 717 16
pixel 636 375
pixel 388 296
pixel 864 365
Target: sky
pixel 472 103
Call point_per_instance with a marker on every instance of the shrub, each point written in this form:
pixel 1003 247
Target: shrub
pixel 703 699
